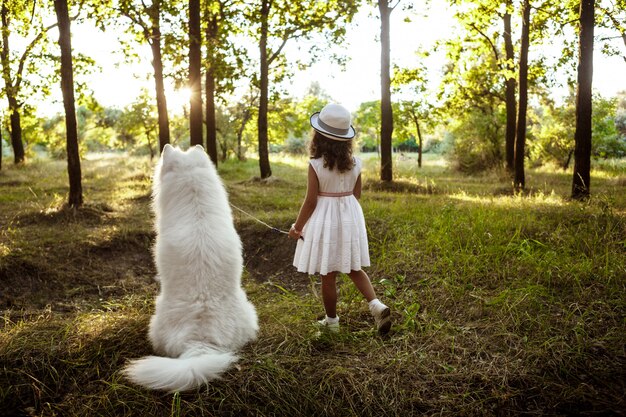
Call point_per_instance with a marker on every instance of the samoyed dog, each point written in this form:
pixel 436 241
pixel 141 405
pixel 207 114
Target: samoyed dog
pixel 202 315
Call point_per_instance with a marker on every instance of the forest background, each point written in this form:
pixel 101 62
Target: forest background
pixel 477 125
pixel 450 83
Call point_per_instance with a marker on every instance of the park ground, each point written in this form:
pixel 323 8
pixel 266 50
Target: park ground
pixel 503 303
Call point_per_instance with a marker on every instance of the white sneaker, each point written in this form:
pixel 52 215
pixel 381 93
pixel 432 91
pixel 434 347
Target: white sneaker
pixel 382 316
pixel 324 324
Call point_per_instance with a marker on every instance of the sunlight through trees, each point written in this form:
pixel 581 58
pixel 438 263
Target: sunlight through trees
pixel 490 105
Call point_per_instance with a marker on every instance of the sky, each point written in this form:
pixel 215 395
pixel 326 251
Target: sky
pixel 117 84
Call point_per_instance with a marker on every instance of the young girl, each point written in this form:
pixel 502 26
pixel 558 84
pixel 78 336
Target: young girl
pixel 331 219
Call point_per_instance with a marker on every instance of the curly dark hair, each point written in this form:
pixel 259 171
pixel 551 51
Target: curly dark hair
pixel 336 153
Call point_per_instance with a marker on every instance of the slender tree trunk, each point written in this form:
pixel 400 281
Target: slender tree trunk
pixel 509 95
pixel 195 62
pixel 67 87
pixel 0 147
pixel 11 89
pixel 150 147
pixel 568 160
pixel 157 64
pixel 246 117
pixel 209 85
pixel 420 143
pixel 264 161
pixel 419 138
pixel 224 149
pixel 386 112
pixel 582 136
pixel 520 138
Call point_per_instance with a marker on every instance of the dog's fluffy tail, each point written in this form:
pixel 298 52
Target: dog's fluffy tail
pixel 190 370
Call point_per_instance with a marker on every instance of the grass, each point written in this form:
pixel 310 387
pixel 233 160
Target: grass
pixel 503 304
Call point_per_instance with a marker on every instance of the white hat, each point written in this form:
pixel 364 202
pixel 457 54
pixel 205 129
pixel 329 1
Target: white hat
pixel 333 122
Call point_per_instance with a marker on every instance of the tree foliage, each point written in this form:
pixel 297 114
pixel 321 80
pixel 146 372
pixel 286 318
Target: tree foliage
pixel 273 24
pixel 20 66
pixel 248 61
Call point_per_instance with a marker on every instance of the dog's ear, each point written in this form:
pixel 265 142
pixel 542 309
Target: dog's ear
pixel 167 149
pixel 200 147
pixel 167 157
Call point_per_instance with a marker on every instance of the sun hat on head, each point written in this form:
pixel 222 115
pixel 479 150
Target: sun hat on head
pixel 333 122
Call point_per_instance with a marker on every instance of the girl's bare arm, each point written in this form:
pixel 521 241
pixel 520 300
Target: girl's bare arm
pixel 357 188
pixel 310 201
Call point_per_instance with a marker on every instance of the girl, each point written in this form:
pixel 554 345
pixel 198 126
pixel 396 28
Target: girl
pixel 331 219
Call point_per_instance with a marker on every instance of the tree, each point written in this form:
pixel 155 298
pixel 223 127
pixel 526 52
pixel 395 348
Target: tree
pixel 414 110
pixel 147 19
pixel 243 111
pixel 195 70
pixel 479 84
pixel 67 86
pixel 279 21
pixel 615 19
pixel 510 90
pixel 520 137
pixel 265 61
pixel 554 133
pixel 386 112
pixel 224 62
pixel 16 16
pixel 213 19
pixel 137 121
pixel 367 123
pixel 582 136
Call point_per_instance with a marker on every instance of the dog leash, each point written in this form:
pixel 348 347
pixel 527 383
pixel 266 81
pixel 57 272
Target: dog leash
pixel 261 221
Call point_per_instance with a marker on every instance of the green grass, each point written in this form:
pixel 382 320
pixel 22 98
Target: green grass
pixel 503 304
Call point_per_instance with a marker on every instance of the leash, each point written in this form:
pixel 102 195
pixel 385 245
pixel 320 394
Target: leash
pixel 275 229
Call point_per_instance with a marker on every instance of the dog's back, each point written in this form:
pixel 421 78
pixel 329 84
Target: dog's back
pixel 201 309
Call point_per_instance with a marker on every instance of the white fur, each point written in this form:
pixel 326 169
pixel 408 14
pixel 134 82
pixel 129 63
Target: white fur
pixel 202 314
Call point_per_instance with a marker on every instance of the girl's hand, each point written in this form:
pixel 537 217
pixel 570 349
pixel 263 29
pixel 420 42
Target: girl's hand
pixel 293 233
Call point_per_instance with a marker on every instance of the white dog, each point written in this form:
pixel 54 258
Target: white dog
pixel 202 314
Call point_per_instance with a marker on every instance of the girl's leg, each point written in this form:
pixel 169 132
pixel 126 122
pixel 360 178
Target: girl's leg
pixel 380 311
pixel 329 294
pixel 363 284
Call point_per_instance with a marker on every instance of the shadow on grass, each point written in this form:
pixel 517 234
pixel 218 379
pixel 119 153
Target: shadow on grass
pixel 88 214
pixel 83 274
pixel 67 359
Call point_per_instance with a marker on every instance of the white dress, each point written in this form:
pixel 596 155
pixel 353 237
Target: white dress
pixel 335 238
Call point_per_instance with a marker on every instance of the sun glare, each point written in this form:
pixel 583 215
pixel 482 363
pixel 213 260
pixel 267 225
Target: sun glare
pixel 178 99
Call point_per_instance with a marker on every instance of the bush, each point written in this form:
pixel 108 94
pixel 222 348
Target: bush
pixel 295 146
pixel 477 142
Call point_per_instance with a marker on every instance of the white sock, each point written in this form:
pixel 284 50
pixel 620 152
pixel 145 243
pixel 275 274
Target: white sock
pixel 332 320
pixel 374 303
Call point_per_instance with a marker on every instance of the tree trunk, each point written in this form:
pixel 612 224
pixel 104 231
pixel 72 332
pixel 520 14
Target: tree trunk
pixel 520 138
pixel 264 161
pixel 67 87
pixel 420 143
pixel 211 125
pixel 386 112
pixel 509 95
pixel 244 121
pixel 195 62
pixel 568 160
pixel 582 136
pixel 16 130
pixel 157 64
pixel 10 89
pixel 209 86
pixel 419 138
pixel 0 147
pixel 150 147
